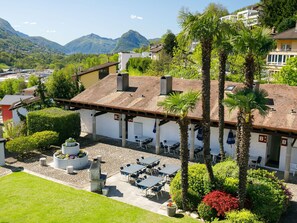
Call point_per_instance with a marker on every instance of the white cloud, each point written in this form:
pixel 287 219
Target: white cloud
pixel 30 23
pixel 136 17
pixel 50 31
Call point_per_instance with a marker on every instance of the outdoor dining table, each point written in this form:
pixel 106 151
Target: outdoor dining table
pixel 148 160
pixel 149 182
pixel 133 168
pixel 170 144
pixel 169 170
pixel 142 139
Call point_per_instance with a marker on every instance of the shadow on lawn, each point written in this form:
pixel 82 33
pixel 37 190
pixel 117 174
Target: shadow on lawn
pixel 13 168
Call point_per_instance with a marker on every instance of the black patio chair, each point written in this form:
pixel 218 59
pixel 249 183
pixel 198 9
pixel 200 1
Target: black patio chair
pixel 256 163
pixel 156 190
pixel 137 161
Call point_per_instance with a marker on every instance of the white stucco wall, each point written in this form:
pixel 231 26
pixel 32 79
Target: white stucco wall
pixel 85 120
pixel 15 117
pixel 107 126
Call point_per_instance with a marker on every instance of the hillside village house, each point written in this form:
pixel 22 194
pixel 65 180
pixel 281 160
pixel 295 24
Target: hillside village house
pixel 125 56
pixel 7 102
pixel 286 47
pixel 93 74
pixel 120 105
pixel 156 51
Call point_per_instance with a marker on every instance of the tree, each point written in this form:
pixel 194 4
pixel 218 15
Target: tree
pixel 252 43
pixel 275 11
pixel 61 85
pixel 288 73
pixel 169 41
pixel 33 80
pixel 224 47
pixel 246 101
pixel 180 104
pixel 203 27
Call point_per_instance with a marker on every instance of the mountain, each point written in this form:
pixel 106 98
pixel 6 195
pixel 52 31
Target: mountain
pixel 91 44
pixel 129 41
pixel 13 41
pixel 48 44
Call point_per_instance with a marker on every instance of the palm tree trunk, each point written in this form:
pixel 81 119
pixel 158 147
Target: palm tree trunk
pixel 238 134
pixel 249 65
pixel 206 54
pixel 184 156
pixel 244 158
pixel 223 58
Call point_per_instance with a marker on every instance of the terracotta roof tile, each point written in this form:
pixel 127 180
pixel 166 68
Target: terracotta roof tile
pixel 144 91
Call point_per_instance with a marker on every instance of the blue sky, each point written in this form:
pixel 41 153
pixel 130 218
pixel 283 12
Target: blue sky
pixel 62 21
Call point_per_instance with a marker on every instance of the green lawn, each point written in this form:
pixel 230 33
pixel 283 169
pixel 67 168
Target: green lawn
pixel 27 198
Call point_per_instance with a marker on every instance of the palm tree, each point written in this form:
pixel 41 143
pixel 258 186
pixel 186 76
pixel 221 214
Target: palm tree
pixel 180 104
pixel 224 47
pixel 252 43
pixel 203 27
pixel 246 101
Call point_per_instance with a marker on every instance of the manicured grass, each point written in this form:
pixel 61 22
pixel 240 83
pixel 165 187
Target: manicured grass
pixel 27 198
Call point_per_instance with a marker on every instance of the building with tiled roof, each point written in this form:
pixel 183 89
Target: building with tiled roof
pixel 134 99
pixel 286 47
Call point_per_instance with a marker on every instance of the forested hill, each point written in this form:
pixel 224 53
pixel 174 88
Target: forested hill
pixel 12 41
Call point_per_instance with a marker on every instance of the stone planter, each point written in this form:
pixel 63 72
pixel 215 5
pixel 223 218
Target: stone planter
pixel 77 163
pixel 171 210
pixel 71 150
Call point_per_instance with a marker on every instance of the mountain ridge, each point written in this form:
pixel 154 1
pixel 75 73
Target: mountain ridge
pixel 11 39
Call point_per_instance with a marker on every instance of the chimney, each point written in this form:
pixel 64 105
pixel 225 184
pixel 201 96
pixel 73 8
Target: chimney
pixel 122 82
pixel 256 85
pixel 166 85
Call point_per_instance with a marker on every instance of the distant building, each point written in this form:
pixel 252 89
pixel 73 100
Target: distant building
pixel 93 74
pixel 125 56
pixel 156 51
pixel 6 104
pixel 248 17
pixel 286 47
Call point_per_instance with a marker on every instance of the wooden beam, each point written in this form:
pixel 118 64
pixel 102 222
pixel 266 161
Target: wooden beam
pixel 99 113
pixel 293 142
pixel 163 122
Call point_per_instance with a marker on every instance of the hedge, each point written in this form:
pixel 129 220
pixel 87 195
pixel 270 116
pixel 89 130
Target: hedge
pixel 21 144
pixel 65 123
pixel 45 138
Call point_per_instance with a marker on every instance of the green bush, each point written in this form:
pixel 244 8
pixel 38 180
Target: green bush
pixel 21 144
pixel 192 202
pixel 226 174
pixel 65 123
pixel 206 212
pixel 141 64
pixel 45 138
pixel 242 216
pixel 198 180
pixel 268 195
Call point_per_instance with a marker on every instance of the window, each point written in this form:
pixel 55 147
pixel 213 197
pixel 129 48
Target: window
pixel 103 73
pixel 286 47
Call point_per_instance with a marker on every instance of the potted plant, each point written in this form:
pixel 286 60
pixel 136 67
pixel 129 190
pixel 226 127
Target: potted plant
pixel 171 209
pixel 70 142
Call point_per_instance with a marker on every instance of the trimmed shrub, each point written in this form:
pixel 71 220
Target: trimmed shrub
pixel 221 202
pixel 193 199
pixel 226 175
pixel 198 180
pixel 45 138
pixel 206 212
pixel 65 123
pixel 141 64
pixel 268 195
pixel 21 144
pixel 242 216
